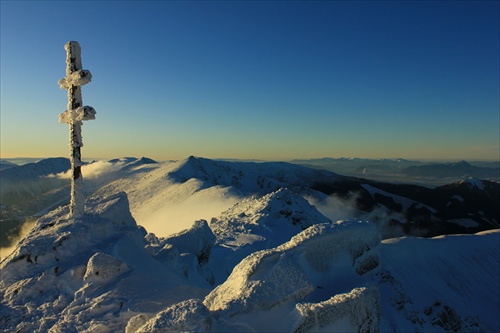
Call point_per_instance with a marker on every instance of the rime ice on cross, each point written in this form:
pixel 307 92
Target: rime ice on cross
pixel 74 115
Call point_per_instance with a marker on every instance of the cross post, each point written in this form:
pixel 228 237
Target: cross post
pixel 74 116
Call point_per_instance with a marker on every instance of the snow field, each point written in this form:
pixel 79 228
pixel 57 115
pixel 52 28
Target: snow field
pixel 269 261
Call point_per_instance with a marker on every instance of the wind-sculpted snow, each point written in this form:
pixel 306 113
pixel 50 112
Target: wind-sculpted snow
pixel 186 252
pixel 279 209
pixel 56 237
pixel 258 223
pixel 359 310
pixel 72 275
pixel 197 240
pixel 102 267
pixel 447 283
pixel 188 316
pixel 292 272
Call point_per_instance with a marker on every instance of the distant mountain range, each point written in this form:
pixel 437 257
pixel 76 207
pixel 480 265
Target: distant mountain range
pixel 409 171
pixel 446 170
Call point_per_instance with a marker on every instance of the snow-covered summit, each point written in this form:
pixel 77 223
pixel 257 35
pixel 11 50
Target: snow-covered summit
pixel 56 237
pixel 82 274
pixel 248 177
pixel 161 193
pixel 474 182
pixel 279 210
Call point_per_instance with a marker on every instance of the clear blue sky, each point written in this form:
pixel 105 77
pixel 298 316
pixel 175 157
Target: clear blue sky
pixel 255 79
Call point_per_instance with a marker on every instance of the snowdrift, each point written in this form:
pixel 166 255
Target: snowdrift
pixel 447 283
pixel 299 271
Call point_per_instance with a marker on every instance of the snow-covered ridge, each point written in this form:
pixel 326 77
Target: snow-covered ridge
pixel 267 260
pixel 474 182
pixel 291 271
pixel 249 177
pixel 104 273
pixel 404 202
pixel 30 180
pixel 166 197
pixel 258 223
pixel 92 273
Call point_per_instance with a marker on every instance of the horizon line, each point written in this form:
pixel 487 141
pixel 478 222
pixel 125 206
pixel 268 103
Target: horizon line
pixel 39 158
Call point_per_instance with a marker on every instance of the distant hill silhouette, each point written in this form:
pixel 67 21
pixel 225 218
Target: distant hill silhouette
pixel 456 169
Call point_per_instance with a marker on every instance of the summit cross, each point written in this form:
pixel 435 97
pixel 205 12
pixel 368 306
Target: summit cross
pixel 74 116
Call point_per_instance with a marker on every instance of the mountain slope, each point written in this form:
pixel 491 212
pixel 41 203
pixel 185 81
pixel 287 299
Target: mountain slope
pixel 6 164
pixel 75 275
pixel 20 185
pixel 258 223
pixel 104 273
pixel 439 284
pixel 166 197
pixel 161 198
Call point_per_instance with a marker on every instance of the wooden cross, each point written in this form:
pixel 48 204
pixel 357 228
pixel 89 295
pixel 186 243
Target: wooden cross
pixel 74 116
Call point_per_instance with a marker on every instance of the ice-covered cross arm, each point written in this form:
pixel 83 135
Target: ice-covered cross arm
pixel 74 116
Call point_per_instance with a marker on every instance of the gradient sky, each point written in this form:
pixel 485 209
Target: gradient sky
pixel 255 79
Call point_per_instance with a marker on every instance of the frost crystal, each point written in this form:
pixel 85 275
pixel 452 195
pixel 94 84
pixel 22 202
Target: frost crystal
pixel 73 116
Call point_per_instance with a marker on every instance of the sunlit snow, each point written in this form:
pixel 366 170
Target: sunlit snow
pixel 262 259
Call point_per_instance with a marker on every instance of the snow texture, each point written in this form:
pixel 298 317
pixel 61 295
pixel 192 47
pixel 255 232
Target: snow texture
pixel 103 267
pixel 186 252
pixel 268 278
pixel 197 240
pixel 77 115
pixel 267 262
pixel 78 78
pixel 360 306
pixel 72 275
pixel 474 182
pixel 187 316
pixel 404 202
pixel 439 284
pixel 259 223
